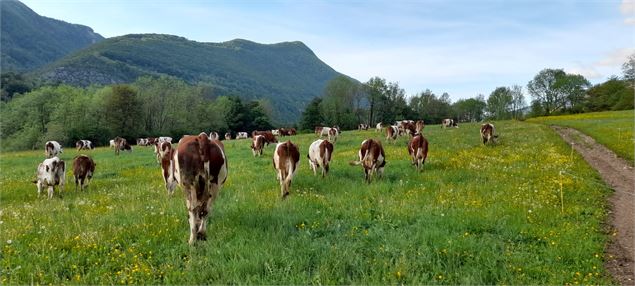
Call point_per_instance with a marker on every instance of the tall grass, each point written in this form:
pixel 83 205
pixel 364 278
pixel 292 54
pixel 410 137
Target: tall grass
pixel 613 129
pixel 475 215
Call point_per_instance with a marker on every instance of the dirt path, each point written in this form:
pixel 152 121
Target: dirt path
pixel 618 174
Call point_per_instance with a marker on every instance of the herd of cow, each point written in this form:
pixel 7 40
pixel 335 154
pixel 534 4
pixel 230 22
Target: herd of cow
pixel 199 165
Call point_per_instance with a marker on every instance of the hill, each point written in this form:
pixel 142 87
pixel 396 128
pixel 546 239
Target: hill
pixel 30 41
pixel 288 74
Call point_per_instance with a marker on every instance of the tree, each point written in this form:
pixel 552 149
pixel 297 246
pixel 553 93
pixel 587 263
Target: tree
pixel 311 116
pixel 518 101
pixel 499 103
pixel 122 110
pixel 614 94
pixel 628 68
pixel 469 110
pixel 553 90
pixel 338 104
pixel 13 83
pixel 432 109
pixel 376 88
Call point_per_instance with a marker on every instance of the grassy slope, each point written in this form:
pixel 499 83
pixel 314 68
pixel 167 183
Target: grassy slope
pixel 475 215
pixel 613 129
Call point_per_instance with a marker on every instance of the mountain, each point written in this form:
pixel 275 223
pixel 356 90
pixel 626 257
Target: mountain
pixel 29 41
pixel 288 74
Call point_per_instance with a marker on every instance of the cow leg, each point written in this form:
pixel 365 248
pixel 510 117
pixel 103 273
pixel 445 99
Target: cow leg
pixel 206 209
pixel 39 187
pixel 313 167
pixel 50 192
pixel 76 182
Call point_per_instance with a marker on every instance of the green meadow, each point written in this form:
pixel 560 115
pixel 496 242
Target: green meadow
pixel 613 129
pixel 500 214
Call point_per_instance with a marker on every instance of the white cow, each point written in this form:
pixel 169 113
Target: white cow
pixel 319 155
pixel 242 135
pixel 379 127
pixel 50 173
pixel 165 139
pixel 52 149
pixel 112 143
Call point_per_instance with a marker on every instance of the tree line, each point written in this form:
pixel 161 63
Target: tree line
pixel 347 103
pixel 150 106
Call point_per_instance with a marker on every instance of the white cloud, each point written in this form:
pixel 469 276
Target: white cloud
pixel 588 72
pixel 628 9
pixel 616 57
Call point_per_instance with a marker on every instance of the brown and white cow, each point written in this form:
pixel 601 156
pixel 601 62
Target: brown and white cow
pixel 418 150
pixel 269 137
pixel 201 170
pixel 362 126
pixel 257 145
pixel 165 155
pixel 379 127
pixel 391 133
pixel 292 131
pixel 320 153
pixel 333 133
pixel 286 159
pixel 214 136
pixel 52 149
pixel 318 130
pixel 151 141
pixel 487 133
pixel 372 158
pixel 419 125
pixel 324 131
pixel 121 144
pixel 142 141
pixel 83 170
pixel 228 136
pixel 160 149
pixel 50 173
pixel 283 132
pixel 242 135
pixel 84 144
pixel 449 123
pixel 112 143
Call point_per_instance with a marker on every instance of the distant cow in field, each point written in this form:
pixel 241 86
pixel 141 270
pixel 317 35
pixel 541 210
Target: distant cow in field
pixel 286 158
pixel 275 132
pixel 419 125
pixel 50 173
pixel 52 149
pixel 160 149
pixel 372 158
pixel 83 170
pixel 318 130
pixel 319 155
pixel 391 133
pixel 84 144
pixel 142 141
pixel 333 133
pixel 112 143
pixel 362 126
pixel 242 135
pixel 449 123
pixel 228 136
pixel 324 131
pixel 165 139
pixel 257 145
pixel 418 150
pixel 165 156
pixel 269 137
pixel 283 132
pixel 201 170
pixel 487 133
pixel 121 145
pixel 292 131
pixel 151 141
pixel 214 136
pixel 379 127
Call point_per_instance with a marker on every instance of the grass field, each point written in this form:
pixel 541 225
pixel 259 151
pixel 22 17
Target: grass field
pixel 475 215
pixel 613 129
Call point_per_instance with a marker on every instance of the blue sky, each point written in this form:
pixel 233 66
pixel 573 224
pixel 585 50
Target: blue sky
pixel 461 47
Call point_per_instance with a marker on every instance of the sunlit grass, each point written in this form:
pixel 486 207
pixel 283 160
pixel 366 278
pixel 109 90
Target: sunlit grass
pixel 475 215
pixel 613 129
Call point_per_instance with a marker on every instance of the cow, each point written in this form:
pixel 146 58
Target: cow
pixel 165 139
pixel 449 123
pixel 228 136
pixel 160 149
pixel 151 141
pixel 269 137
pixel 121 144
pixel 257 145
pixel 50 173
pixel 286 159
pixel 362 126
pixel 200 168
pixel 165 156
pixel 292 131
pixel 419 125
pixel 418 150
pixel 142 141
pixel 84 144
pixel 275 132
pixel 487 133
pixel 392 132
pixel 324 131
pixel 318 131
pixel 379 127
pixel 214 136
pixel 372 158
pixel 52 149
pixel 409 128
pixel 320 153
pixel 242 135
pixel 83 170
pixel 283 132
pixel 112 143
pixel 333 133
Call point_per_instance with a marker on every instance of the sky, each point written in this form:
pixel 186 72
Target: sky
pixel 462 47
